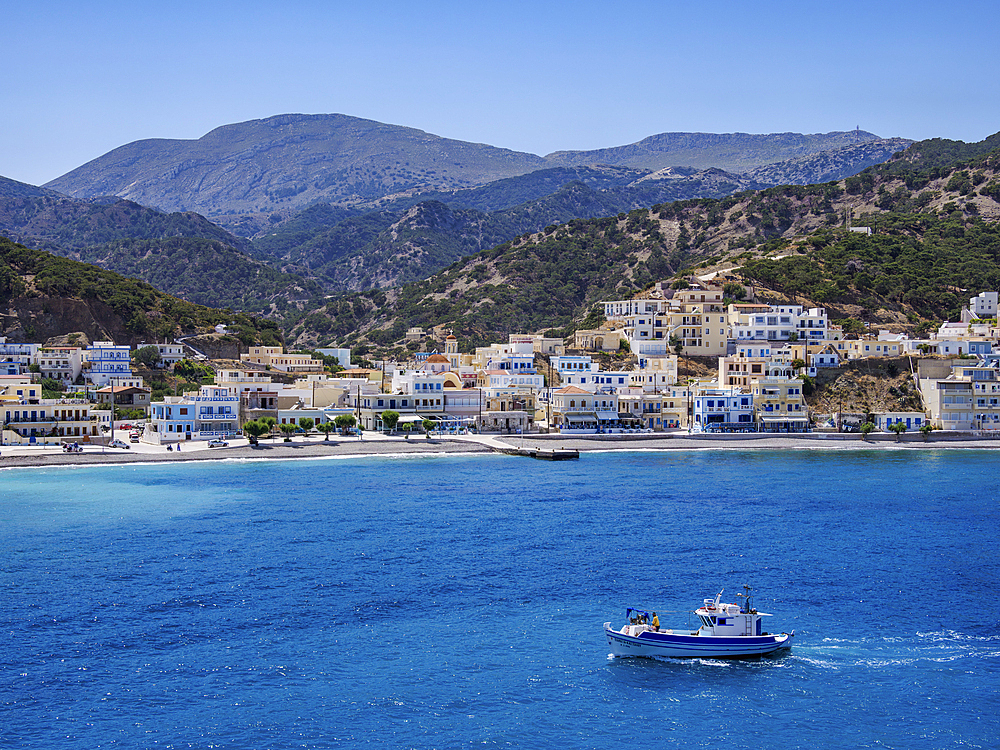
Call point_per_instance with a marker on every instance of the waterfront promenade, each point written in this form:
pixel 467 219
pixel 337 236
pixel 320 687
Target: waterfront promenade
pixel 374 444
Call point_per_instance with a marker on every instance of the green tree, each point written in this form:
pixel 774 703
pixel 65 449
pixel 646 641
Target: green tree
pixel 326 428
pixel 866 429
pixel 255 429
pixel 269 422
pixel 389 419
pixel 899 428
pixel 147 356
pixel 306 423
pixel 734 290
pixel 344 422
pixel 288 428
pixel 51 385
pixel 428 425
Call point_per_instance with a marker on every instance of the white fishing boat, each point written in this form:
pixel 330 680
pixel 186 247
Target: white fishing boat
pixel 728 631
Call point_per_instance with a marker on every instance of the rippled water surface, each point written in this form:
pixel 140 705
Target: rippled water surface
pixel 458 601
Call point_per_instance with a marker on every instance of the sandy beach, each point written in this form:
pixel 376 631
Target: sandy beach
pixel 375 445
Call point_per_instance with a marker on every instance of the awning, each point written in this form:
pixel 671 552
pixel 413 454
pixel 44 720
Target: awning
pixel 580 418
pixel 607 415
pixel 788 418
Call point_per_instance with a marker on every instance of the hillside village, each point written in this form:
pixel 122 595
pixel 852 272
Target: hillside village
pixel 767 359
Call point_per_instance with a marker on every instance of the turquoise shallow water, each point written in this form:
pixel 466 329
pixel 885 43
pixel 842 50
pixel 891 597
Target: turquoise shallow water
pixel 458 601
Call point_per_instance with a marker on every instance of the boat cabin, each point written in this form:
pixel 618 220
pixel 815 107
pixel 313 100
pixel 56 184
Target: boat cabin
pixel 729 619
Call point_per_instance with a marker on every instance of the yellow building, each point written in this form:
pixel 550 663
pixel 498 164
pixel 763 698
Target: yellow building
pixel 696 317
pixel 276 358
pixel 779 405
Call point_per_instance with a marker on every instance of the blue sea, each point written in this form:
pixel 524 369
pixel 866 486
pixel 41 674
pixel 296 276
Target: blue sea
pixel 458 601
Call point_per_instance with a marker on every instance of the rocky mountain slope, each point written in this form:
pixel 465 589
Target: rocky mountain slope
pixel 835 164
pixel 732 152
pixel 391 247
pixel 293 161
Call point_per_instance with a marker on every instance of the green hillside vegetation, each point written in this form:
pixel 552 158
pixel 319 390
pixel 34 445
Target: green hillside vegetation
pixel 932 248
pixel 140 311
pixel 921 263
pixel 923 157
pixel 532 283
pixel 182 254
pixel 203 271
pixel 61 225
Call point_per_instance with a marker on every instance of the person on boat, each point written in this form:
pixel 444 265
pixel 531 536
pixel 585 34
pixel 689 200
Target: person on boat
pixel 656 623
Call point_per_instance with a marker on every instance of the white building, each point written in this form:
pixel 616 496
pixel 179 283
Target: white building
pixel 984 305
pixel 15 358
pixel 655 373
pixel 62 363
pixel 776 323
pixel 214 412
pixel 343 356
pixel 170 354
pixel 568 364
pixel 105 360
pixel 724 410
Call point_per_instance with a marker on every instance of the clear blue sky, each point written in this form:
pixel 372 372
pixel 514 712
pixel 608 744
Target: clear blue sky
pixel 83 78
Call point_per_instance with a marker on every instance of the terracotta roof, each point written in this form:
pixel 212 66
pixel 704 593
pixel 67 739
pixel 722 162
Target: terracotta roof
pixel 573 389
pixel 438 358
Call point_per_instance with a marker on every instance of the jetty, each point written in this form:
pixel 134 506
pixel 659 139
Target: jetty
pixel 545 454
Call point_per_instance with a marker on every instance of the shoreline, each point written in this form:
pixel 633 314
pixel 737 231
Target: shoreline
pixel 382 445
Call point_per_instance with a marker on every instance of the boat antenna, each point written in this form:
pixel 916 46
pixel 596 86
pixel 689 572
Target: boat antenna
pixel 748 597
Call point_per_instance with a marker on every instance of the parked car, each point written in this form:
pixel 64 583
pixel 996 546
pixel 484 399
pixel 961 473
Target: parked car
pixel 134 437
pixel 218 443
pixel 119 444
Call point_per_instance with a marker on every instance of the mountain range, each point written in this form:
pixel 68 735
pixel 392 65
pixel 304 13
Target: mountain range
pixel 293 161
pixel 275 215
pixel 437 200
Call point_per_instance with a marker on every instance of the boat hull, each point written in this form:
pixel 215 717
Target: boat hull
pixel 654 644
